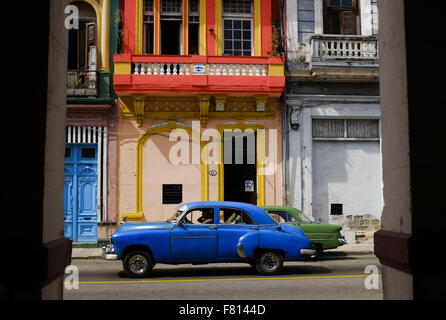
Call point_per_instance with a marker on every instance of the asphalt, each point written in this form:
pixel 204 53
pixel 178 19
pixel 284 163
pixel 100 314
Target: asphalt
pixel 348 249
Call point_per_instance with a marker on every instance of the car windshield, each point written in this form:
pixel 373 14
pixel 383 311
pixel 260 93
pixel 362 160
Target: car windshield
pixel 179 210
pixel 175 217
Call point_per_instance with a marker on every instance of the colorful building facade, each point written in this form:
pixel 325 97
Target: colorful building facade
pixel 90 139
pixel 199 104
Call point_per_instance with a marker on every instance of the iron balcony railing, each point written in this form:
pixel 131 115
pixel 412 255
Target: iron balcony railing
pixel 82 83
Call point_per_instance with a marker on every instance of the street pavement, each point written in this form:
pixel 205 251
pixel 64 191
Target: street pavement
pixel 342 273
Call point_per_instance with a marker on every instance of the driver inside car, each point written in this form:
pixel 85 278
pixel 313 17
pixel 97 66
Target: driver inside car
pixel 207 216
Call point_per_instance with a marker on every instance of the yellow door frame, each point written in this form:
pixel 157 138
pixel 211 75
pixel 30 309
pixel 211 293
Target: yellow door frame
pixel 171 125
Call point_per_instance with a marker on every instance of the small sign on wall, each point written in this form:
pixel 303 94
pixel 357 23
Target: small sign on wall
pixel 249 185
pixel 199 68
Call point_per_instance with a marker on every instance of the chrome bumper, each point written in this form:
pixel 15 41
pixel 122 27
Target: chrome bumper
pixel 108 253
pixel 307 252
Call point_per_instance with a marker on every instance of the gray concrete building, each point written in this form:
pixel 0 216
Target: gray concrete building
pixel 332 140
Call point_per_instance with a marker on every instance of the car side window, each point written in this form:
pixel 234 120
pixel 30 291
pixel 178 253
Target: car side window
pixel 281 216
pixel 234 216
pixel 199 216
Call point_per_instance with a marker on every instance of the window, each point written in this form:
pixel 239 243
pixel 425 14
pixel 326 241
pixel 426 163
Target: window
pixel 148 27
pixel 281 216
pixel 172 193
pixel 171 26
pixel 234 216
pixel 237 27
pixel 336 209
pixel 82 49
pixel 346 129
pixel 199 216
pixel 341 17
pixel 88 153
pixel 194 24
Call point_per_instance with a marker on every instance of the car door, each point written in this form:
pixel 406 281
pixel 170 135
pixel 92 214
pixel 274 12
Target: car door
pixel 234 223
pixel 191 240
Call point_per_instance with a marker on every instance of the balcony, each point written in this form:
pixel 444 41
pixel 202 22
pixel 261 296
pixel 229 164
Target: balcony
pixel 82 83
pixel 348 52
pixel 198 74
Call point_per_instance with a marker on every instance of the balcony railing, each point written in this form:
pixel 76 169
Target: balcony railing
pixel 344 47
pixel 82 83
pixel 211 69
pixel 187 74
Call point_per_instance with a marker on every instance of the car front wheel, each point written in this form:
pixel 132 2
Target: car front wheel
pixel 269 262
pixel 138 264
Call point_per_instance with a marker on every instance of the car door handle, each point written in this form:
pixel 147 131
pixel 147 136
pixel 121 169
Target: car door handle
pixel 254 228
pixel 212 227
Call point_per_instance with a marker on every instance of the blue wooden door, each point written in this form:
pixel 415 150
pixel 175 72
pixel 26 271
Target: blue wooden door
pixel 80 192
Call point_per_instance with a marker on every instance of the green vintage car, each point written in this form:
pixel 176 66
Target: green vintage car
pixel 321 235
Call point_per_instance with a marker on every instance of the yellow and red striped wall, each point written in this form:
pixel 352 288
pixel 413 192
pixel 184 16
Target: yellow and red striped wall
pixel 210 18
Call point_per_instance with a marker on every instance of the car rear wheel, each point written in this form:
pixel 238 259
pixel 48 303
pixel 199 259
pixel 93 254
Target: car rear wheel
pixel 138 264
pixel 269 262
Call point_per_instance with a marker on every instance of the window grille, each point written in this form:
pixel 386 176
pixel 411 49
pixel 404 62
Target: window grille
pixel 346 129
pixel 172 193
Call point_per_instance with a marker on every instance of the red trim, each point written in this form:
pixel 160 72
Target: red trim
pixel 210 23
pixel 194 58
pixel 266 27
pixel 129 83
pixel 126 84
pixel 129 26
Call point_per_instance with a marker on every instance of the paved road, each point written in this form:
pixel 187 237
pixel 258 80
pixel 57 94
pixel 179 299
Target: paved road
pixel 335 276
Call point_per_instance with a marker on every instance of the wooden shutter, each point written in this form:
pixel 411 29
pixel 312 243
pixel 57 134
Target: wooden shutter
pixel 340 19
pixel 91 46
pixel 347 21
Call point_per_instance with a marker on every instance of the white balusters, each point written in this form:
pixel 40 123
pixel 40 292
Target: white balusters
pixel 237 69
pixel 251 70
pixel 231 70
pixel 156 69
pixel 244 66
pixel 136 68
pixel 223 69
pixel 347 48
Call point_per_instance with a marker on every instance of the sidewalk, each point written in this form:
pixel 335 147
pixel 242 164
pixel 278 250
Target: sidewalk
pixel 96 253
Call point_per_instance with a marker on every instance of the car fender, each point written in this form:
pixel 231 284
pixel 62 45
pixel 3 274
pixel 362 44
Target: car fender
pixel 290 243
pixel 247 245
pixel 157 241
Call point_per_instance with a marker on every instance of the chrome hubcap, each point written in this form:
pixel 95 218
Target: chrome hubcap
pixel 138 264
pixel 269 261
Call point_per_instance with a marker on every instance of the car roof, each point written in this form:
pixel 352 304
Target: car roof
pixel 282 208
pixel 258 214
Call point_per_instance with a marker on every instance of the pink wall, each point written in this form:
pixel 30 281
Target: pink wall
pixel 157 169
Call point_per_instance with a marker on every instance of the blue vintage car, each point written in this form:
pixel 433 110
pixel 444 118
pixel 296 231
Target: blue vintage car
pixel 208 232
